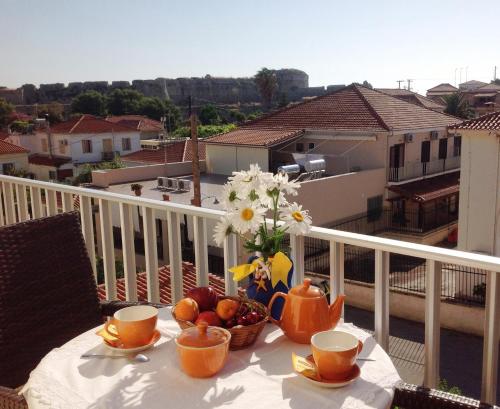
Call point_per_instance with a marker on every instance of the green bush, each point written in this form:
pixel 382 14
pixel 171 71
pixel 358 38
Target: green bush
pixel 204 131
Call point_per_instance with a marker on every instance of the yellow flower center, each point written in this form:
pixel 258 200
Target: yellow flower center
pixel 298 216
pixel 247 214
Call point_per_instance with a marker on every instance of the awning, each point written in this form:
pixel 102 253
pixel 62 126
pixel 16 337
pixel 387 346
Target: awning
pixel 491 94
pixel 429 189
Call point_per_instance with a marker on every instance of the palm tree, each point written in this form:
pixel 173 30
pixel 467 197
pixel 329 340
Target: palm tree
pixel 267 83
pixel 458 106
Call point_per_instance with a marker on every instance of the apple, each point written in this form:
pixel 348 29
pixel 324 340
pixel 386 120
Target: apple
pixel 205 297
pixel 227 308
pixel 210 317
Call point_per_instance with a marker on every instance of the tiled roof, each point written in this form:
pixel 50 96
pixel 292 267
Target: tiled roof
pixel 353 108
pixel 3 135
pixel 413 97
pixel 487 88
pixel 430 188
pixel 139 122
pixel 443 87
pixel 188 278
pixel 7 148
pixel 88 124
pixel 45 160
pixel 485 122
pixel 255 136
pixel 179 151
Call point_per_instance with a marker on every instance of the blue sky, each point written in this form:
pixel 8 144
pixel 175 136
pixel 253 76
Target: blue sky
pixel 334 42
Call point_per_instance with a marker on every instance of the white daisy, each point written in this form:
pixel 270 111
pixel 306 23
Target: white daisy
pixel 230 196
pixel 222 229
pixel 247 217
pixel 283 184
pixel 297 221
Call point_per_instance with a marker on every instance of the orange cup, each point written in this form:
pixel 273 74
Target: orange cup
pixel 335 353
pixel 134 325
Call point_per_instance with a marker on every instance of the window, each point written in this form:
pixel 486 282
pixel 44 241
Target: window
pixel 443 148
pixel 126 144
pixel 299 147
pixel 62 145
pixel 374 205
pixel 52 175
pixel 425 154
pixel 311 145
pixel 457 145
pixel 45 145
pixel 87 146
pixel 7 168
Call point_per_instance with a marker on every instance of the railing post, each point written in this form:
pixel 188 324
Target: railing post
pixel 8 200
pixel 432 323
pixel 151 254
pixel 164 240
pixel 22 204
pixel 200 250
pixel 88 229
pixel 297 256
pixel 36 202
pixel 382 298
pixel 108 249
pixel 51 202
pixel 230 260
pixel 128 251
pixel 175 253
pixel 336 271
pixel 491 338
pixel 67 202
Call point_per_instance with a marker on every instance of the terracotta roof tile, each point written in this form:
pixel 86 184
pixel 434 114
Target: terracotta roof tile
pixel 188 152
pixel 3 135
pixel 45 160
pixel 174 153
pixel 188 277
pixel 7 148
pixel 255 136
pixel 86 124
pixel 484 122
pixel 443 87
pixel 430 188
pixel 139 122
pixel 412 97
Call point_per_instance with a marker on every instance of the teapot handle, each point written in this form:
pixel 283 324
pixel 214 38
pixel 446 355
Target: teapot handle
pixel 270 306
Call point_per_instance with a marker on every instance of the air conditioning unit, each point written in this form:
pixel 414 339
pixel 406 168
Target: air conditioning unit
pixel 184 185
pixel 172 183
pixel 434 135
pixel 409 137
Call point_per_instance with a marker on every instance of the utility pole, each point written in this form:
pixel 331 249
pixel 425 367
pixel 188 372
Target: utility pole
pixel 196 201
pixel 495 73
pixel 409 84
pixel 49 134
pixel 399 83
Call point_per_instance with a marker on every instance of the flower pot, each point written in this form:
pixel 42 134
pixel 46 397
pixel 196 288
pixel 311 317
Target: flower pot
pixel 137 192
pixel 261 289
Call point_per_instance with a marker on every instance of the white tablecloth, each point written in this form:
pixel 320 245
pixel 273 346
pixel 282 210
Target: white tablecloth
pixel 256 378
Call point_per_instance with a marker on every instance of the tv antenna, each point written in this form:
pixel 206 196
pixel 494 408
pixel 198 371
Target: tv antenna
pixel 409 80
pixel 399 83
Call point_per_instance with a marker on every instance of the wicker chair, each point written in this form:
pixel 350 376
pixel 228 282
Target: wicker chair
pixel 47 293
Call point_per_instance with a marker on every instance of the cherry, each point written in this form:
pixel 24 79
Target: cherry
pixel 242 320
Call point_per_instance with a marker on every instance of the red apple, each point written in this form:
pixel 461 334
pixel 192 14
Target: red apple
pixel 205 297
pixel 210 317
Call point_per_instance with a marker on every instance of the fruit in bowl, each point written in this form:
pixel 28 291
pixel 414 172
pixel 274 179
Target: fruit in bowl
pixel 227 308
pixel 205 297
pixel 187 309
pixel 210 317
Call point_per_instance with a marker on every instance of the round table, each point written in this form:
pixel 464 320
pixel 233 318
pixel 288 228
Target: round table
pixel 259 377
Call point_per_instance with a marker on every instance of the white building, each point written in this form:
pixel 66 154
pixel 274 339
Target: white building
pixel 12 157
pixel 58 151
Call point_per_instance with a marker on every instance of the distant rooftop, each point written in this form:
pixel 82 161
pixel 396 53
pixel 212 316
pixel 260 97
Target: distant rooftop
pixel 138 122
pixel 488 122
pixel 444 87
pixel 89 124
pixel 174 151
pixel 8 148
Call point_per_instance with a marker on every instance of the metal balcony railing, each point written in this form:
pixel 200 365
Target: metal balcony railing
pixel 414 170
pixel 23 199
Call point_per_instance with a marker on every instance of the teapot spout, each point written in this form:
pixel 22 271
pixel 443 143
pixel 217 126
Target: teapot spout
pixel 336 310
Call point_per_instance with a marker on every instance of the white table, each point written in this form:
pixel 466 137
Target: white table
pixel 260 377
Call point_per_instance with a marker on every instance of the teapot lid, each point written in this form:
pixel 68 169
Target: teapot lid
pixel 202 336
pixel 307 290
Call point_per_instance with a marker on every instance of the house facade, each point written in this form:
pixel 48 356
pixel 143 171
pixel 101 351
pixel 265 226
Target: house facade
pixel 147 127
pixel 61 150
pixel 12 157
pixel 359 131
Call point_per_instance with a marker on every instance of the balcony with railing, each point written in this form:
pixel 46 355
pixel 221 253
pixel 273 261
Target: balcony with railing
pixel 23 199
pixel 417 169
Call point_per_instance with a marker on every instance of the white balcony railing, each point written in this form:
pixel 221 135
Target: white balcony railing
pixel 22 200
pixel 417 169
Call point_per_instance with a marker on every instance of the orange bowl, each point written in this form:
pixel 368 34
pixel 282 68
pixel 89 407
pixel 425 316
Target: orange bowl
pixel 203 361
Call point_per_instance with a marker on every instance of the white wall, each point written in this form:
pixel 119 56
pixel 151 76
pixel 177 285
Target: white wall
pixel 19 160
pixel 224 159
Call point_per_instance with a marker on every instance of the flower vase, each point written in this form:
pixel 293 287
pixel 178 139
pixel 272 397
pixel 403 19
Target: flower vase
pixel 260 288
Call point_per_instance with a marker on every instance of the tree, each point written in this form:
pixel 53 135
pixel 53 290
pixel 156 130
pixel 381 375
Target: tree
pixel 153 108
pixel 367 84
pixel 89 102
pixel 208 115
pixel 124 102
pixel 458 106
pixel 54 111
pixel 496 81
pixel 237 116
pixel 5 111
pixel 267 84
pixel 172 116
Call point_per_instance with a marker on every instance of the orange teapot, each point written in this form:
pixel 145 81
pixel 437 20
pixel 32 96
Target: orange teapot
pixel 306 312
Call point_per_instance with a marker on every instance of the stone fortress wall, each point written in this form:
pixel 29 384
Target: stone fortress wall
pixel 293 84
